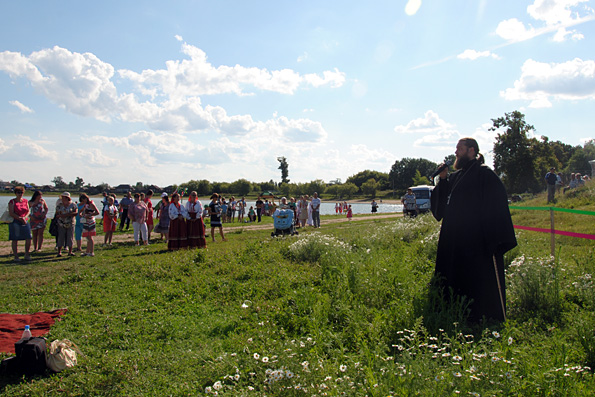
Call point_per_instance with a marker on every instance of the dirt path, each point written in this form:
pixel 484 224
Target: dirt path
pixel 6 251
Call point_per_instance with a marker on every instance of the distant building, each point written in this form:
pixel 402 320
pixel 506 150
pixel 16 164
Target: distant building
pixel 122 189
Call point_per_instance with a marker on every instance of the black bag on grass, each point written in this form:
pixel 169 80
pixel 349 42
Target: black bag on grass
pixel 31 355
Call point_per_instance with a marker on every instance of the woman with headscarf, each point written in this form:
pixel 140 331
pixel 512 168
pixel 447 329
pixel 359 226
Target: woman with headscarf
pixel 19 229
pixel 178 214
pixel 38 220
pixel 195 225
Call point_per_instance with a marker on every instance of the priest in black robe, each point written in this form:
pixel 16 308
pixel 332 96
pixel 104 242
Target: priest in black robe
pixel 476 232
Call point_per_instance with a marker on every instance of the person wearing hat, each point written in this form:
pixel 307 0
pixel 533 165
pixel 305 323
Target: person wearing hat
pixel 66 210
pixel 550 179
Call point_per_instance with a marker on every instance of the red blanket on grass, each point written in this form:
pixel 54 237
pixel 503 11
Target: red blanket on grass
pixel 12 326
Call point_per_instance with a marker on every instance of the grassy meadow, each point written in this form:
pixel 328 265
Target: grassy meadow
pixel 342 310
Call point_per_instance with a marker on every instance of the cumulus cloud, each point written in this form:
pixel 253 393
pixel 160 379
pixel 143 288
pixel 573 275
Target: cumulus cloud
pixel 25 149
pixel 431 122
pixel 437 133
pixel 542 82
pixel 197 76
pixel 79 83
pixel 83 84
pixel 22 108
pixel 94 157
pixel 553 15
pixel 473 55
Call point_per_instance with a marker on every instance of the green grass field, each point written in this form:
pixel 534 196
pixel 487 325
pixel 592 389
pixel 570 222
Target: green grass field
pixel 343 310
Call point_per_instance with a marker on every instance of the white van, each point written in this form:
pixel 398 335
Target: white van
pixel 422 197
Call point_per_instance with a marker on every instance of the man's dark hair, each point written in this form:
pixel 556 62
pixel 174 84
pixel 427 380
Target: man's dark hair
pixel 472 143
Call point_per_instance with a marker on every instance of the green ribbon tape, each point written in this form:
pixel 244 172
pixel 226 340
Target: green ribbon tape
pixel 582 212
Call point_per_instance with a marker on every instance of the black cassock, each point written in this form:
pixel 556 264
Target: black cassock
pixel 476 232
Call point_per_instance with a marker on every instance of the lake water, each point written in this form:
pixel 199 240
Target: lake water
pixel 325 208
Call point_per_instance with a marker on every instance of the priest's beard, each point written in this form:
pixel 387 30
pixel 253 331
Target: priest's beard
pixel 461 162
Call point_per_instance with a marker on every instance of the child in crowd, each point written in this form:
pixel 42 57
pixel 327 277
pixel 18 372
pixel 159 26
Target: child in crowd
pixel 349 212
pixel 110 220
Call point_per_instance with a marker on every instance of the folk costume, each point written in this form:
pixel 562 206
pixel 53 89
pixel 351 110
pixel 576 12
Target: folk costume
pixel 177 227
pixel 195 226
pixel 476 232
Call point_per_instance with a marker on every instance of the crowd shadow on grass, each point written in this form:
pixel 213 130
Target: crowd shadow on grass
pixel 13 377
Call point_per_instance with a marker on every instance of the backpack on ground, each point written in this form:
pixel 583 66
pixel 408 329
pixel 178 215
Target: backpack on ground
pixel 31 355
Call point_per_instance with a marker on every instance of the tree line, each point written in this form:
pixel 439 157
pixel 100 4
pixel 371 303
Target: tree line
pixel 520 159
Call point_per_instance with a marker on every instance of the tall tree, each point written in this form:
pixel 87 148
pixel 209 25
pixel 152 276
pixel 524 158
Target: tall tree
pixel 514 160
pixel 79 182
pixel 241 187
pixel 418 179
pixel 579 162
pixel 284 167
pixel 370 187
pixel 347 189
pixel 364 176
pixel 58 182
pixel 403 171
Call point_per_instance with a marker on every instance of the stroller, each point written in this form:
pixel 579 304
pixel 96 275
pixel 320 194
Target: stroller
pixel 284 223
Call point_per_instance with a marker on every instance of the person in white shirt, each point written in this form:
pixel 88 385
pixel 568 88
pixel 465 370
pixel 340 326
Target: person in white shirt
pixel 316 210
pixel 195 224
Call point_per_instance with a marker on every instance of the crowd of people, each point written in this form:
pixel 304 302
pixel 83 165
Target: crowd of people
pixel 556 182
pixel 180 225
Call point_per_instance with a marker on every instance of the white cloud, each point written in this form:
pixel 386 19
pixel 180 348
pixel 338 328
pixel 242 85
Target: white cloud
pixel 514 30
pixel 178 37
pixel 431 122
pixel 542 82
pixel 554 12
pixel 473 55
pixel 94 157
pixel 25 149
pixel 412 7
pixel 22 108
pixel 556 16
pixel 197 76
pixel 303 57
pixel 437 133
pixel 82 84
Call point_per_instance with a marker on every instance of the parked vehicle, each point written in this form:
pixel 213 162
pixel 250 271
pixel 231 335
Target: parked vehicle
pixel 422 197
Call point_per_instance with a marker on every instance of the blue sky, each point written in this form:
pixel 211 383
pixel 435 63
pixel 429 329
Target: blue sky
pixel 164 92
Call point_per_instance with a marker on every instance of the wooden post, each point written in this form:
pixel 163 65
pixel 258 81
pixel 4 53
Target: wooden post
pixel 552 233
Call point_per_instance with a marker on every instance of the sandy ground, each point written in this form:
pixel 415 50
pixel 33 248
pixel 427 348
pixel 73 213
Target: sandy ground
pixel 6 251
